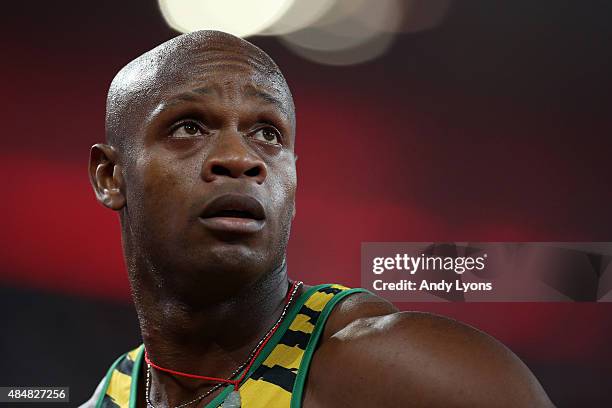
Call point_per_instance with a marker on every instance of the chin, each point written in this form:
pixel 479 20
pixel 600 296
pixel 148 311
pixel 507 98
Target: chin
pixel 224 261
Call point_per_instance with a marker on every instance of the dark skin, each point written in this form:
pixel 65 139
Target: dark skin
pixel 208 116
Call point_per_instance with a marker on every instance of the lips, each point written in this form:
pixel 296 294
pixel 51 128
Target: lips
pixel 233 213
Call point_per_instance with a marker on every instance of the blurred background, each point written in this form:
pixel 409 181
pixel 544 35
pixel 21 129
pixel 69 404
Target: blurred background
pixel 421 120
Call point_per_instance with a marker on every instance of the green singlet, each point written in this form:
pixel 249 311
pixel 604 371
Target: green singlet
pixel 276 378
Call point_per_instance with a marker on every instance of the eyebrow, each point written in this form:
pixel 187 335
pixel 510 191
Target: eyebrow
pixel 190 96
pixel 250 90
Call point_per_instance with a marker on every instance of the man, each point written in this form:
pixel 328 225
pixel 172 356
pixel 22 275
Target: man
pixel 200 165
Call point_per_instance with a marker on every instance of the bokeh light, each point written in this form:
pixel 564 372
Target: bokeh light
pixel 350 33
pixel 332 32
pixel 300 15
pixel 238 17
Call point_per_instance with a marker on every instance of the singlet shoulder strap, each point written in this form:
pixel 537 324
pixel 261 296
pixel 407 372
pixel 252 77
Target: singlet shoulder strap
pixel 119 389
pixel 338 293
pixel 277 377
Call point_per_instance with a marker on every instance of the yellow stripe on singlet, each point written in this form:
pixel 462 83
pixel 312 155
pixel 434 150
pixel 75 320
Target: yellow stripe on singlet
pixel 119 388
pixel 262 394
pixel 132 354
pixel 285 356
pixel 318 301
pixel 301 323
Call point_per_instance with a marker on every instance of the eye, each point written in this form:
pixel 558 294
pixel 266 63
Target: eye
pixel 267 134
pixel 187 129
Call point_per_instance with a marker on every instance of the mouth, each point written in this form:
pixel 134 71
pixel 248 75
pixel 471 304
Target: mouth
pixel 233 213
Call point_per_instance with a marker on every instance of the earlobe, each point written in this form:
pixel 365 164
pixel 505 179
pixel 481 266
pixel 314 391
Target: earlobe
pixel 106 176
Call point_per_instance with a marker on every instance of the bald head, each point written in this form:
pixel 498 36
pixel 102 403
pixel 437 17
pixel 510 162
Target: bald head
pixel 198 126
pixel 140 87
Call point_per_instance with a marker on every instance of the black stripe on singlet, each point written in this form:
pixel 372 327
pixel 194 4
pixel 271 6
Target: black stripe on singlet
pixel 312 314
pixel 329 289
pixel 107 402
pixel 295 338
pixel 125 366
pixel 277 375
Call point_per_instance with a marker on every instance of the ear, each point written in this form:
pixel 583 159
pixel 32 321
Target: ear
pixel 105 176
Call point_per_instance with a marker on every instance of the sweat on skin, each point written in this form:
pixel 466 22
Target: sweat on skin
pixel 199 163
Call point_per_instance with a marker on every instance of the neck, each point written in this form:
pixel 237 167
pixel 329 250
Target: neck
pixel 205 339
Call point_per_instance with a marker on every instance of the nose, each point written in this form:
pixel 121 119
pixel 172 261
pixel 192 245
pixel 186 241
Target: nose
pixel 231 157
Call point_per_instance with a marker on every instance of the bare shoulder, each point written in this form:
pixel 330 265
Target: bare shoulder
pixel 373 355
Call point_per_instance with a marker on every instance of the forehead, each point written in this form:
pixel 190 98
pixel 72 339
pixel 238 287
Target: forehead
pixel 226 80
pixel 224 74
pixel 208 65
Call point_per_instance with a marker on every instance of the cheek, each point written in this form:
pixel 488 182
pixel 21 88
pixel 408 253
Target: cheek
pixel 283 191
pixel 158 181
pixel 158 190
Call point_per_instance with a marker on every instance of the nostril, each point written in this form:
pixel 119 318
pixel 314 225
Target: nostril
pixel 253 171
pixel 220 170
pixel 234 169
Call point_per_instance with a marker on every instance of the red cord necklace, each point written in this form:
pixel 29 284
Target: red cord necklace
pixel 234 399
